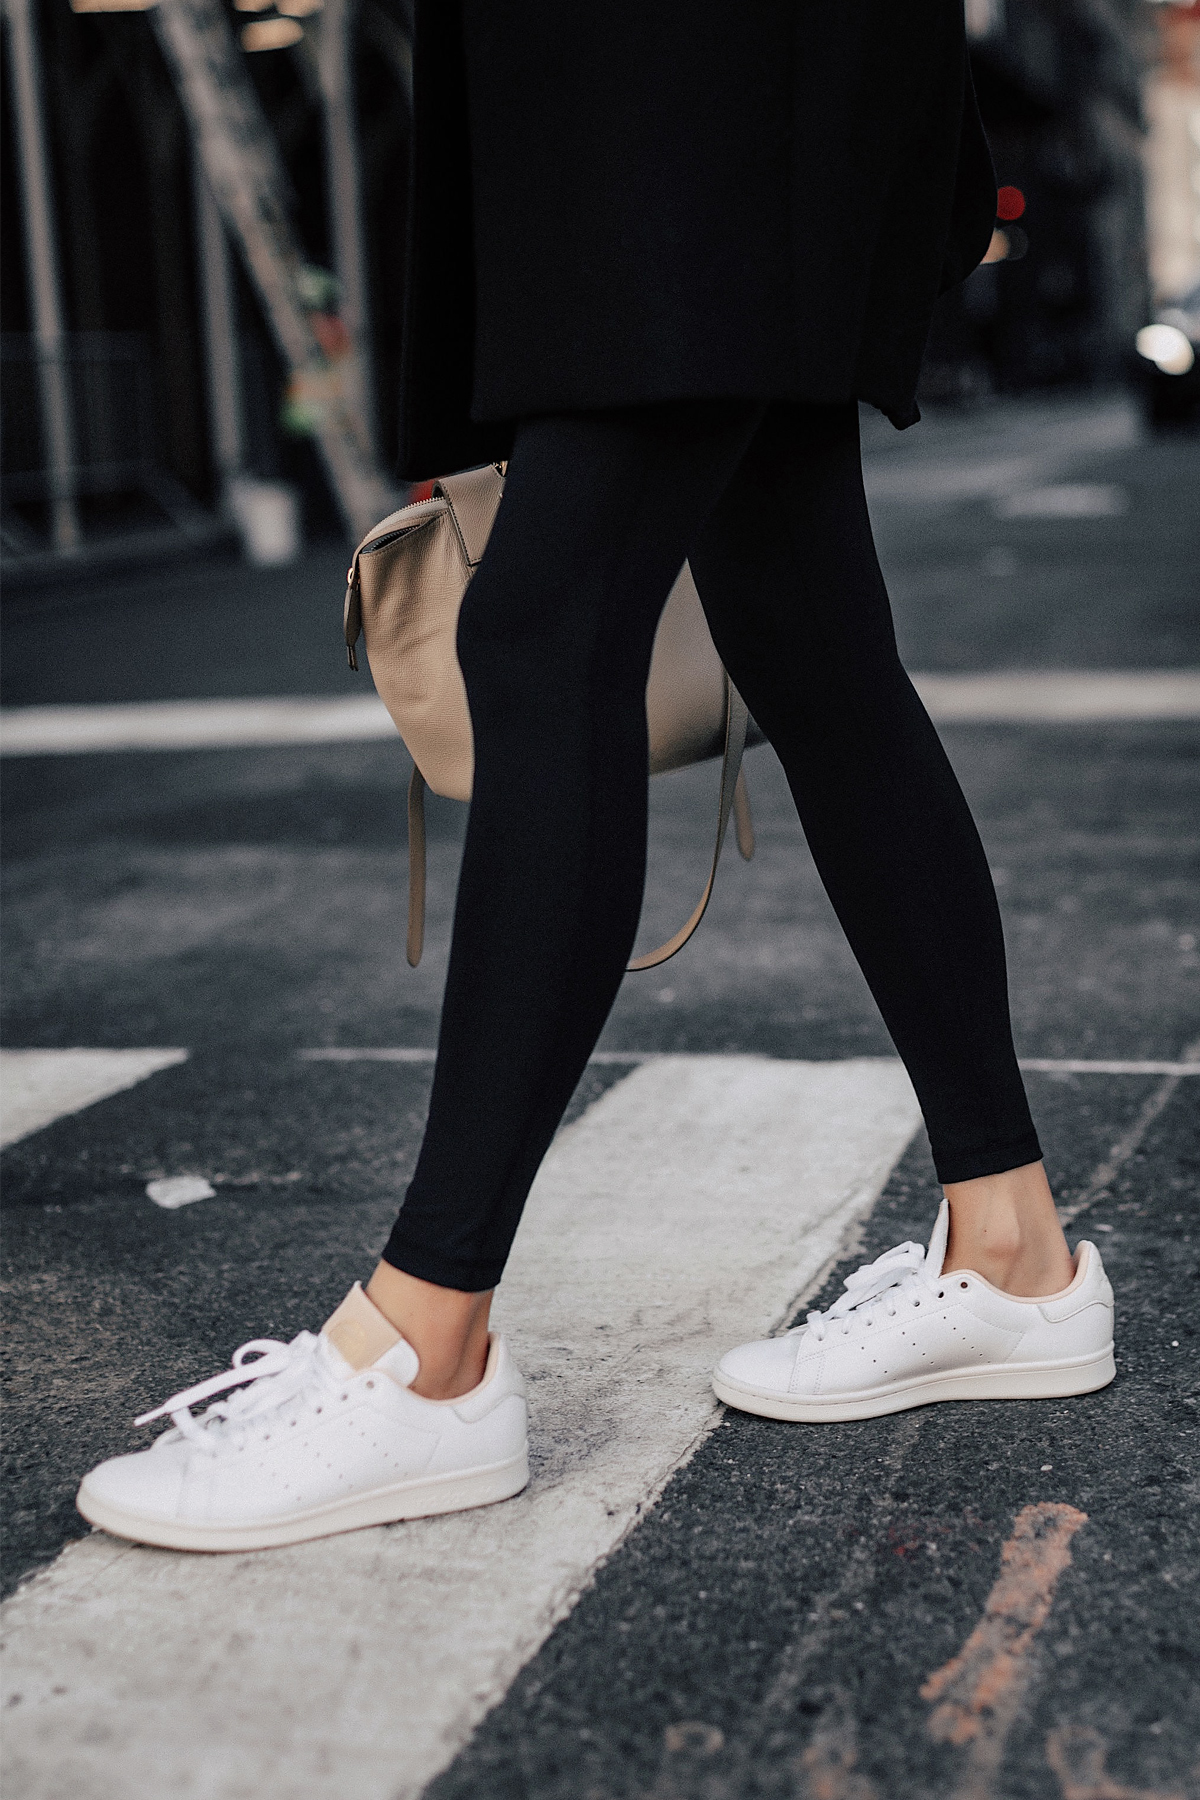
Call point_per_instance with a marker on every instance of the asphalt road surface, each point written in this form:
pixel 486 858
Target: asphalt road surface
pixel 996 1601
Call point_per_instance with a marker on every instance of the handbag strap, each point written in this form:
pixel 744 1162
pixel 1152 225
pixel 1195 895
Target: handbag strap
pixel 736 720
pixel 733 798
pixel 416 867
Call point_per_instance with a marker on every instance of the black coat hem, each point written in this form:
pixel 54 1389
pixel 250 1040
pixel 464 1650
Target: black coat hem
pixel 767 212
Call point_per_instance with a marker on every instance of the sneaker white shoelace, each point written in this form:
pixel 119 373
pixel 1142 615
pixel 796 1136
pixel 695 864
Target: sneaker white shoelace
pixel 279 1373
pixel 898 1277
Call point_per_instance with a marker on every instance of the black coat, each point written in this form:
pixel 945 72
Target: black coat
pixel 666 199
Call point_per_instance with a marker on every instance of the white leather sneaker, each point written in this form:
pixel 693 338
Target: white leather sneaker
pixel 325 1435
pixel 903 1335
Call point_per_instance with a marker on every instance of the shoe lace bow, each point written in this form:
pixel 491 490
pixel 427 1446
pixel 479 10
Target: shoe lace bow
pixel 895 1275
pixel 276 1375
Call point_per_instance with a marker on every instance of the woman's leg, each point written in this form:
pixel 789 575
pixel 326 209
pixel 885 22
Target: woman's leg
pixel 787 571
pixel 555 640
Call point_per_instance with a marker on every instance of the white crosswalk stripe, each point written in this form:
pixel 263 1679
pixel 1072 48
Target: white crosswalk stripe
pixel 1015 696
pixel 39 1086
pixel 686 1210
pixel 1036 1065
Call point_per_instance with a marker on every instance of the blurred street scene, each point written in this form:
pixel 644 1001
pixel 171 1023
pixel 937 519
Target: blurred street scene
pixel 204 226
pixel 217 1061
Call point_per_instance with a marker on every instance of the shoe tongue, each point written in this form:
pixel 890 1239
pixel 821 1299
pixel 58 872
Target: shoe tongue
pixel 359 1332
pixel 935 1256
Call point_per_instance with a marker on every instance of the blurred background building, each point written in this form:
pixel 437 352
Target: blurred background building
pixel 1092 109
pixel 171 378
pixel 1060 89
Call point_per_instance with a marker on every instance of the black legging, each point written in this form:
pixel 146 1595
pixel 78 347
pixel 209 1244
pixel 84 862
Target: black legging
pixel 599 511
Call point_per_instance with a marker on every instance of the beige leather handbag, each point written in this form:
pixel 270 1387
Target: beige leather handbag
pixel 406 585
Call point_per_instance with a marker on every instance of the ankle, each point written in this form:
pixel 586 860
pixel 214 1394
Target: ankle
pixel 1006 1229
pixel 448 1329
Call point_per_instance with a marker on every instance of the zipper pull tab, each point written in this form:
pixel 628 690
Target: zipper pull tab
pixel 352 614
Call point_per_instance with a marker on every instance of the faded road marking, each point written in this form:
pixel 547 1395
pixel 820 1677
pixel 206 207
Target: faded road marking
pixel 1045 446
pixel 972 1687
pixel 193 724
pixel 685 1211
pixel 827 1768
pixel 978 1691
pixel 1072 1065
pixel 1065 500
pixel 687 1748
pixel 1061 697
pixel 39 1086
pixel 1037 1065
pixel 1125 1146
pixel 1076 1753
pixel 1004 696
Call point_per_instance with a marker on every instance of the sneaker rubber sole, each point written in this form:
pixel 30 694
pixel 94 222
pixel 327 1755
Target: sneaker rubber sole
pixel 995 1381
pixel 455 1492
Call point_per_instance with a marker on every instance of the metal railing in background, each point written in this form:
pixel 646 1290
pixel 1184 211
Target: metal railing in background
pixel 44 275
pixel 104 383
pixel 80 408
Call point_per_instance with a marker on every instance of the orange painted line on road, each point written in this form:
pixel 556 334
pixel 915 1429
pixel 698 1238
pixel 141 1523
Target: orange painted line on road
pixel 1077 1754
pixel 976 1688
pixel 828 1769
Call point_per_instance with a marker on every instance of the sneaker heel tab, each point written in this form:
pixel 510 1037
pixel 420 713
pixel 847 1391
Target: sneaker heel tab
pixel 497 1353
pixel 501 1380
pixel 1089 1266
pixel 400 1364
pixel 1091 1287
pixel 935 1255
pixel 1095 1275
pixel 359 1332
pixel 500 1365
